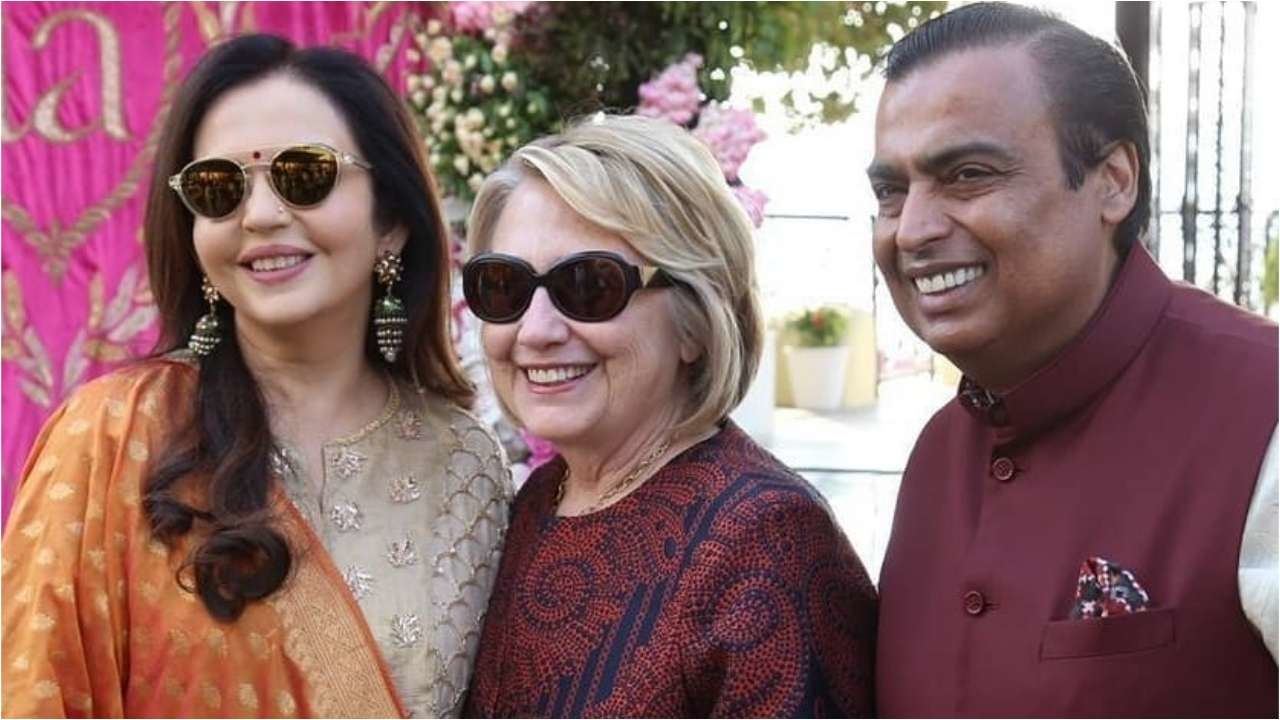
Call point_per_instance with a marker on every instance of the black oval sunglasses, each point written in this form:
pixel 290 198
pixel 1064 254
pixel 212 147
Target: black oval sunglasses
pixel 592 286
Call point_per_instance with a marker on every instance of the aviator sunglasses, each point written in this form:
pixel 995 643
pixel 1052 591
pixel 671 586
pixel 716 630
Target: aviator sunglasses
pixel 591 286
pixel 302 176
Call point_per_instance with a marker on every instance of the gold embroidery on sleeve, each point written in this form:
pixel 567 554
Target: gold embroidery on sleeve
pixel 45 689
pixel 60 491
pixel 217 642
pixel 180 640
pixel 81 701
pixel 149 591
pixel 210 694
pixel 285 704
pixel 116 408
pixel 248 698
pixel 258 645
pixel 47 464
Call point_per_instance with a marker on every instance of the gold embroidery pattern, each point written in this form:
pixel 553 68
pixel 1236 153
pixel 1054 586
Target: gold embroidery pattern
pixel 56 244
pixel 325 638
pixel 248 697
pixel 23 346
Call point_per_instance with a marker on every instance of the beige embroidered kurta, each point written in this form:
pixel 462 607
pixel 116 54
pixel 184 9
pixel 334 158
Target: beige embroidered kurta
pixel 412 511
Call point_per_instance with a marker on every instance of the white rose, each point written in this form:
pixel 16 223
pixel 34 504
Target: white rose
pixel 476 117
pixel 511 123
pixel 434 159
pixel 474 181
pixel 452 73
pixel 456 95
pixel 487 84
pixel 439 50
pixel 504 110
pixel 433 27
pixel 471 61
pixel 419 98
pixel 461 164
pixel 510 81
pixel 412 82
pixel 427 82
pixel 500 53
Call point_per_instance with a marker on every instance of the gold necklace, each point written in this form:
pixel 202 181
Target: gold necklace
pixel 617 488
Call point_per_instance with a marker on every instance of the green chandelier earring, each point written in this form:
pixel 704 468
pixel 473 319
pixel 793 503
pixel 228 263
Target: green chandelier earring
pixel 389 316
pixel 208 330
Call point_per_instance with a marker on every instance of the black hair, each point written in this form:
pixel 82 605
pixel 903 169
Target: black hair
pixel 1095 99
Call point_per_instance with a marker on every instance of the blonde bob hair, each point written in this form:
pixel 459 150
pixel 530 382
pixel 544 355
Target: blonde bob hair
pixel 659 189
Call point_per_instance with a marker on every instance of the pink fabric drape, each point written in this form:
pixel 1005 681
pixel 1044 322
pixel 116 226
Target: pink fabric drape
pixel 85 88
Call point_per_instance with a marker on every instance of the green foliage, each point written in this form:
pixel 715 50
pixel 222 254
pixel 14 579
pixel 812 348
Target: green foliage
pixel 825 326
pixel 596 55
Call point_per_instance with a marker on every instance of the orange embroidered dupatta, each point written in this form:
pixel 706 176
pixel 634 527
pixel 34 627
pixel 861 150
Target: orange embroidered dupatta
pixel 95 623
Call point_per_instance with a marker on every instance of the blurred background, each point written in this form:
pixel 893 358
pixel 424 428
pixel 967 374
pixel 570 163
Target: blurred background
pixel 783 93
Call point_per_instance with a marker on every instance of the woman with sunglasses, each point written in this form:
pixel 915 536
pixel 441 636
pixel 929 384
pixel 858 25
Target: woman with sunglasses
pixel 663 564
pixel 287 512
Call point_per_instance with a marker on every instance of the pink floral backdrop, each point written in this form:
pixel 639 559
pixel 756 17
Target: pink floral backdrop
pixel 86 86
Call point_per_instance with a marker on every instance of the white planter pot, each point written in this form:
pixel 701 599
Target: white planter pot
pixel 817 376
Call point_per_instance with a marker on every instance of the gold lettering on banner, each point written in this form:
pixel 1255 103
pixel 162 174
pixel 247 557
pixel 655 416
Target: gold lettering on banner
pixel 45 116
pixel 56 242
pixel 221 25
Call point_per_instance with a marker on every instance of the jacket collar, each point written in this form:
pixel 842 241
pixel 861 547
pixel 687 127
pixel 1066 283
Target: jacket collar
pixel 1107 344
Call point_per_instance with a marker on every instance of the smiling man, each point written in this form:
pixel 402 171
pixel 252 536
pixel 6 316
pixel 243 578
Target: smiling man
pixel 1089 528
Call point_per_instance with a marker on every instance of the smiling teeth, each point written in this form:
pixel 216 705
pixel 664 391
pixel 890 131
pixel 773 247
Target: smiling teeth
pixel 948 280
pixel 281 262
pixel 548 376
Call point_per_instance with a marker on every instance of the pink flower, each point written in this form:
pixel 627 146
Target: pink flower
pixel 753 201
pixel 476 17
pixel 674 94
pixel 730 133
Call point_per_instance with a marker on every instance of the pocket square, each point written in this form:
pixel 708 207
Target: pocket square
pixel 1105 589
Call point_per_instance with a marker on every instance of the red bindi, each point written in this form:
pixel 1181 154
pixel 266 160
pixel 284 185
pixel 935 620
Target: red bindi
pixel 257 154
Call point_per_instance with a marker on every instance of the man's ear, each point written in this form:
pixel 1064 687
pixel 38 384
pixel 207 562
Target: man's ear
pixel 1118 187
pixel 394 240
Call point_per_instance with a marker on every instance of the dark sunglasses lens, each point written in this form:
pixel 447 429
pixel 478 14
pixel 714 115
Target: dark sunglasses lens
pixel 304 176
pixel 497 290
pixel 590 289
pixel 213 188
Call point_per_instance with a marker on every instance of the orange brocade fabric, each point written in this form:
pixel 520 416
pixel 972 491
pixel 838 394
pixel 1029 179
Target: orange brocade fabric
pixel 94 621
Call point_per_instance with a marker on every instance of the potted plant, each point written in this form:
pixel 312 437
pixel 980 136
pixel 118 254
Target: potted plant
pixel 817 356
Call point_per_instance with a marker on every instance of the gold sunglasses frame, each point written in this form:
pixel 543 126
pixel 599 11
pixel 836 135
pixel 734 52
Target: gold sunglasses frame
pixel 343 159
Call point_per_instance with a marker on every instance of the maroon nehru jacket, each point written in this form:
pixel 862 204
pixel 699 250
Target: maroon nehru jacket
pixel 1141 443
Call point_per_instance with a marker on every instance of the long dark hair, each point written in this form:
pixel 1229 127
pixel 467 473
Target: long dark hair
pixel 226 441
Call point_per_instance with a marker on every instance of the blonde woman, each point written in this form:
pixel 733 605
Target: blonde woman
pixel 663 564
